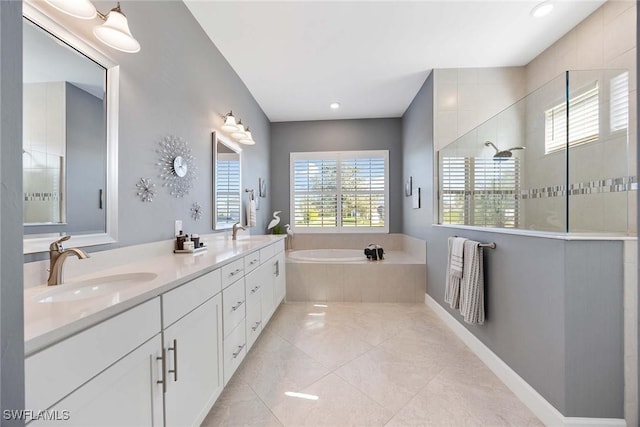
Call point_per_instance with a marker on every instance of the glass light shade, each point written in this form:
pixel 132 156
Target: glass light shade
pixel 240 133
pixel 230 124
pixel 115 33
pixel 82 9
pixel 248 139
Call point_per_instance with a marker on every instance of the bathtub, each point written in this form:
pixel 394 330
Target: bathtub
pixel 328 255
pixel 340 274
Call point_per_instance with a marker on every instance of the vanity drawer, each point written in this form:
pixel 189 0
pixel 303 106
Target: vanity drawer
pixel 182 300
pixel 278 246
pixel 266 253
pixel 232 272
pixel 58 370
pixel 234 351
pixel 233 306
pixel 253 283
pixel 252 261
pixel 253 324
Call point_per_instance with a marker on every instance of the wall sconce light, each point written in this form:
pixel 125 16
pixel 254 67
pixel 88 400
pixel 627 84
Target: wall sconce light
pixel 115 31
pixel 236 129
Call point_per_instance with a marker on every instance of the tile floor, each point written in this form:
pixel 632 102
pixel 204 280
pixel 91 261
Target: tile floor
pixel 358 364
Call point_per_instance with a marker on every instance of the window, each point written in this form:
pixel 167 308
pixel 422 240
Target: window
pixel 584 125
pixel 480 191
pixel 619 104
pixel 227 188
pixel 340 191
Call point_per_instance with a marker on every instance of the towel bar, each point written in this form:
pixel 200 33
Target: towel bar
pixel 491 245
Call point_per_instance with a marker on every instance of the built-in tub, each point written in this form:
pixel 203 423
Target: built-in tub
pixel 328 255
pixel 341 273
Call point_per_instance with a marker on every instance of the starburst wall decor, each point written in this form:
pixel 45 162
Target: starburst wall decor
pixel 196 211
pixel 146 189
pixel 177 168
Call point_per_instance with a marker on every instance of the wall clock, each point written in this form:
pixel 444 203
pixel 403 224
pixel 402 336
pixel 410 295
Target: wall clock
pixel 177 168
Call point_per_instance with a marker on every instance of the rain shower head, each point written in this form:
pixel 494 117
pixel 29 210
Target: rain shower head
pixel 502 154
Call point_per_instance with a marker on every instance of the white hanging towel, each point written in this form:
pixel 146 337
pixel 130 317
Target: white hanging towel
pixel 252 213
pixel 472 286
pixel 454 271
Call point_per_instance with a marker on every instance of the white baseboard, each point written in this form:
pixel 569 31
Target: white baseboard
pixel 549 415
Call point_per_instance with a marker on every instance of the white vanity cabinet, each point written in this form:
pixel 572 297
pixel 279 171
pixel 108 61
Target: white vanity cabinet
pixel 192 337
pixel 105 375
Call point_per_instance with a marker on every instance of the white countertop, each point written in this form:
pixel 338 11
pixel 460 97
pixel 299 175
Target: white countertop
pixel 48 323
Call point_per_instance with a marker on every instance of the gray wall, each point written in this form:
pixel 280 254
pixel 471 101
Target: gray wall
pixel 554 307
pixel 336 135
pixel 11 290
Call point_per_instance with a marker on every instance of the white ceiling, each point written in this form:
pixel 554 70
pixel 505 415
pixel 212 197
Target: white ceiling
pixel 297 57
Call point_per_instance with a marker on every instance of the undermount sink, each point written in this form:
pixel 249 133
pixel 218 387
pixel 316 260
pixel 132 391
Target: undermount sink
pixel 96 287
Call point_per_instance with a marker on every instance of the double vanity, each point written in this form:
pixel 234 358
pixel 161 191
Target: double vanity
pixel 149 342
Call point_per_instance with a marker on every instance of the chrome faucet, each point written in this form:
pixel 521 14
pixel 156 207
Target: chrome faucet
pixel 57 256
pixel 236 227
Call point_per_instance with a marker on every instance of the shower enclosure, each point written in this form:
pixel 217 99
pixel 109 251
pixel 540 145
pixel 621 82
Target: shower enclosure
pixel 557 160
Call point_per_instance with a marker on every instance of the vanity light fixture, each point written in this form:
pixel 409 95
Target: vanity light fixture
pixel 115 31
pixel 542 9
pixel 248 139
pixel 236 130
pixel 240 133
pixel 230 124
pixel 81 9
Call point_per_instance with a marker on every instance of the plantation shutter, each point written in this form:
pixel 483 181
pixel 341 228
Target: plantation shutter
pixel 315 201
pixel 363 191
pixel 619 103
pixel 227 188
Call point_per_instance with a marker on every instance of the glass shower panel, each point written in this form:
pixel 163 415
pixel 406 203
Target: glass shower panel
pixel 598 172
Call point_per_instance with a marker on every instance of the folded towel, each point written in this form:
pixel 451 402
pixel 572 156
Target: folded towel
pixel 252 213
pixel 457 256
pixel 472 286
pixel 452 284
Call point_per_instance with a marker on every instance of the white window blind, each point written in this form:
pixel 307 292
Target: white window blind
pixel 332 191
pixel 584 121
pixel 227 189
pixel 619 102
pixel 480 191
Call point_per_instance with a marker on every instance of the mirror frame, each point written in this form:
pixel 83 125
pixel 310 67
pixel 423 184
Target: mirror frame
pixel 32 12
pixel 215 138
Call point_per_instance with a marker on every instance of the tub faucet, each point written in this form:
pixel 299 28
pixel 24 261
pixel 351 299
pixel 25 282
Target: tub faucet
pixel 57 256
pixel 236 227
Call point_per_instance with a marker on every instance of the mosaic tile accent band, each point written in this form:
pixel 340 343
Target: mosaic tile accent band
pixel 610 185
pixel 41 196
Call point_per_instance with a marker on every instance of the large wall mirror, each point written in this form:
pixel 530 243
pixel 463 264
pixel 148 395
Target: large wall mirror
pixel 227 183
pixel 69 150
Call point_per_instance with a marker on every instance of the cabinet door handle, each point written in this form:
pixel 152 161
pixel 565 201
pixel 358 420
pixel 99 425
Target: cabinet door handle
pixel 276 268
pixel 237 306
pixel 163 381
pixel 254 290
pixel 239 350
pixel 233 273
pixel 254 327
pixel 174 371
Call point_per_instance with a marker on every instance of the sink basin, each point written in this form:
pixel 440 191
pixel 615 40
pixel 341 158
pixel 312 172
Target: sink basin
pixel 91 288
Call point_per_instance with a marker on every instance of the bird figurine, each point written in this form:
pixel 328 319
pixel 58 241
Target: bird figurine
pixel 289 238
pixel 275 221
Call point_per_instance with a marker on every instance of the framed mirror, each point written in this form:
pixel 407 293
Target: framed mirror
pixel 70 136
pixel 227 183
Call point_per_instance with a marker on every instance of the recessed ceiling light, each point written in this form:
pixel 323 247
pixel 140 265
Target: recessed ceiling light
pixel 543 9
pixel 334 105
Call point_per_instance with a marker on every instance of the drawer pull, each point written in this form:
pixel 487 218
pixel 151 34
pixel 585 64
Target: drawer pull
pixel 163 381
pixel 237 306
pixel 254 290
pixel 253 262
pixel 174 371
pixel 233 273
pixel 239 350
pixel 254 327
